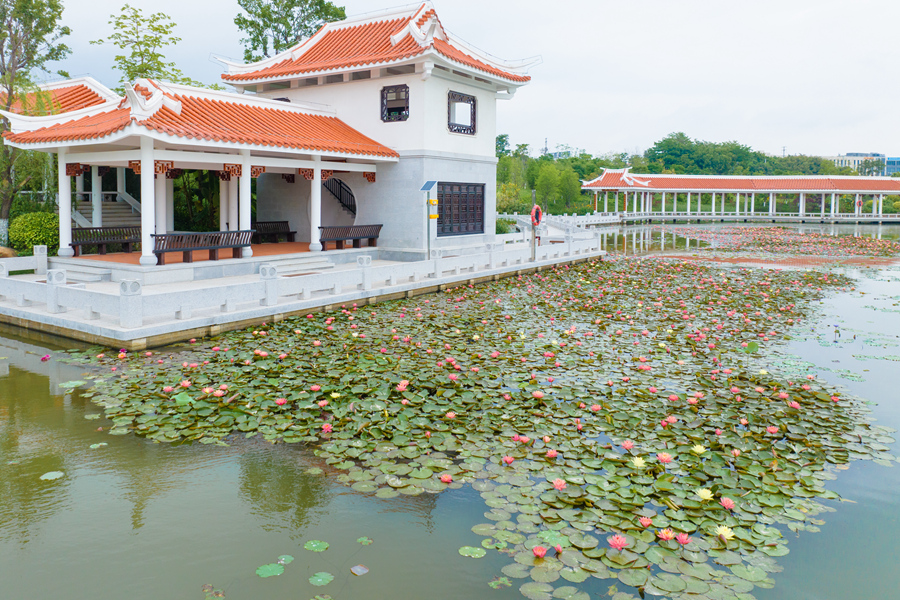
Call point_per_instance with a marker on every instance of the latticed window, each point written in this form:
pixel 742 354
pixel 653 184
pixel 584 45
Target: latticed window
pixel 461 113
pixel 394 103
pixel 460 208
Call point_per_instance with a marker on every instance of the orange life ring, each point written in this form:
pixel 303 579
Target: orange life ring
pixel 536 215
pixel 859 202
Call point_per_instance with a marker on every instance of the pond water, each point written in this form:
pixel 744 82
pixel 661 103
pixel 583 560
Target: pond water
pixel 136 519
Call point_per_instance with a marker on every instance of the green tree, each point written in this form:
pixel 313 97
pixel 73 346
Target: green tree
pixel 522 151
pixel 30 37
pixel 547 183
pixel 870 167
pixel 502 145
pixel 569 187
pixel 272 26
pixel 141 40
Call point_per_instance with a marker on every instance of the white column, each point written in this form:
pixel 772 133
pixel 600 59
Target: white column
pixel 65 206
pixel 315 207
pixel 802 204
pixel 635 203
pixel 713 205
pixel 833 203
pixel 245 198
pixel 821 205
pixel 617 201
pixel 170 204
pixel 148 210
pixel 606 201
pixel 663 207
pixel 79 188
pixel 159 203
pixel 689 204
pixel 120 180
pixel 880 207
pixel 874 205
pixel 223 205
pixel 856 207
pixel 233 203
pixel 753 204
pixel 96 197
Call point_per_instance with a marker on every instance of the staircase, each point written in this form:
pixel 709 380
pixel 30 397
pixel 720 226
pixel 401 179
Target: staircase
pixel 310 263
pixel 115 214
pixel 343 193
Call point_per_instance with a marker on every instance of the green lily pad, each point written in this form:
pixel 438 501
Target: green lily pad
pixel 537 591
pixel 472 552
pixel 285 559
pixel 365 541
pixel 321 578
pixel 52 475
pixel 270 570
pixel 316 546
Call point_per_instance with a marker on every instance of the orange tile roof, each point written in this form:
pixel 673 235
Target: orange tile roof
pixel 621 179
pixel 220 121
pixel 60 100
pixel 366 44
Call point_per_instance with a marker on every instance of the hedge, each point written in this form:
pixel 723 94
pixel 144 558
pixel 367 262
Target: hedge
pixel 35 229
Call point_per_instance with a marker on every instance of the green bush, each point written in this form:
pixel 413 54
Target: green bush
pixel 504 226
pixel 35 229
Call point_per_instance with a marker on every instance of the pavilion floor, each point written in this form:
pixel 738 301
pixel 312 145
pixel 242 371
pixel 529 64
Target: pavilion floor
pixel 172 258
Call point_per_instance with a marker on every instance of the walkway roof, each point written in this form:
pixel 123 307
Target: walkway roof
pixel 194 116
pixel 624 180
pixel 386 38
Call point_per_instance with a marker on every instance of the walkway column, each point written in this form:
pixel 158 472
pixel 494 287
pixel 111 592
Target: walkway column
pixel 160 203
pixel 833 195
pixel 79 188
pixel 170 203
pixel 233 203
pixel 148 211
pixel 96 197
pixel 689 204
pixel 617 201
pixel 737 204
pixel 635 194
pixel 713 208
pixel 753 203
pixel 315 207
pixel 802 204
pixel 223 204
pixel 856 206
pixel 662 209
pixel 120 180
pixel 880 207
pixel 874 205
pixel 606 201
pixel 245 198
pixel 821 205
pixel 773 203
pixel 65 206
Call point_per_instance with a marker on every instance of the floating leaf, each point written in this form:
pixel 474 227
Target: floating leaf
pixel 321 578
pixel 472 552
pixel 316 545
pixel 364 541
pixel 270 570
pixel 537 591
pixel 285 559
pixel 359 570
pixel 52 475
pixel 97 445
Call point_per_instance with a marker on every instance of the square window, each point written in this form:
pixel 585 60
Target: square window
pixel 394 103
pixel 461 113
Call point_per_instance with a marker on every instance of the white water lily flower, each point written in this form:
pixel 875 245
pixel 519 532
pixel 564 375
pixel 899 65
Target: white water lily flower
pixel 763 372
pixel 638 462
pixel 704 494
pixel 698 449
pixel 661 345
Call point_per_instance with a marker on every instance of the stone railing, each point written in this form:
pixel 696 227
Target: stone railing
pixel 131 306
pixel 36 263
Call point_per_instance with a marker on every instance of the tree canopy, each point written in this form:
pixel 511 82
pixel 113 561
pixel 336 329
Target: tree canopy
pixel 272 26
pixel 142 39
pixel 30 38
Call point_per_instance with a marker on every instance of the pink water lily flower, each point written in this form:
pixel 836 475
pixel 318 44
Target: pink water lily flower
pixel 627 444
pixel 645 522
pixel 551 453
pixel 683 539
pixel 281 401
pixel 537 394
pixel 539 551
pixel 446 478
pixel 664 457
pixel 665 534
pixel 508 460
pixel 772 429
pixel 617 542
pixel 727 503
pixel 559 484
pixel 315 388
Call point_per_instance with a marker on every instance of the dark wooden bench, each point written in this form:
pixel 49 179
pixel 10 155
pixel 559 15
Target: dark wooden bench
pixel 187 243
pixel 102 236
pixel 271 230
pixel 349 233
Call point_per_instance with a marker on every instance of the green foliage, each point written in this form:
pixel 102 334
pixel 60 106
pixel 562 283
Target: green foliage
pixel 30 37
pixel 509 199
pixel 273 26
pixel 35 229
pixel 142 39
pixel 547 182
pixel 502 145
pixel 870 167
pixel 504 226
pixel 569 186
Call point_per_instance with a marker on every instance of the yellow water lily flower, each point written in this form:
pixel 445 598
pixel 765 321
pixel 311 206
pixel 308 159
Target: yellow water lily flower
pixel 476 337
pixel 724 532
pixel 335 395
pixel 698 449
pixel 704 494
pixel 661 345
pixel 638 462
pixel 670 331
pixel 763 372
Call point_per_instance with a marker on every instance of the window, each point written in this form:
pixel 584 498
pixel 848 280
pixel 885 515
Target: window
pixel 394 103
pixel 460 208
pixel 461 113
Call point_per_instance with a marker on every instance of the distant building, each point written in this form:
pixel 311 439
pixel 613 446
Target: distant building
pixel 891 166
pixel 855 159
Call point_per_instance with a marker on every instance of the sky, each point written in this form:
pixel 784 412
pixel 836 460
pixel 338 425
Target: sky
pixel 782 76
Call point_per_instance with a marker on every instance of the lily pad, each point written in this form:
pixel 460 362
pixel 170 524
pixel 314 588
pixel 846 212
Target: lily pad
pixel 316 546
pixel 537 591
pixel 321 578
pixel 472 552
pixel 270 570
pixel 52 475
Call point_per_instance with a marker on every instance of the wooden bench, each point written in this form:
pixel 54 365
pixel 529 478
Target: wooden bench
pixel 271 230
pixel 187 243
pixel 348 233
pixel 102 236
